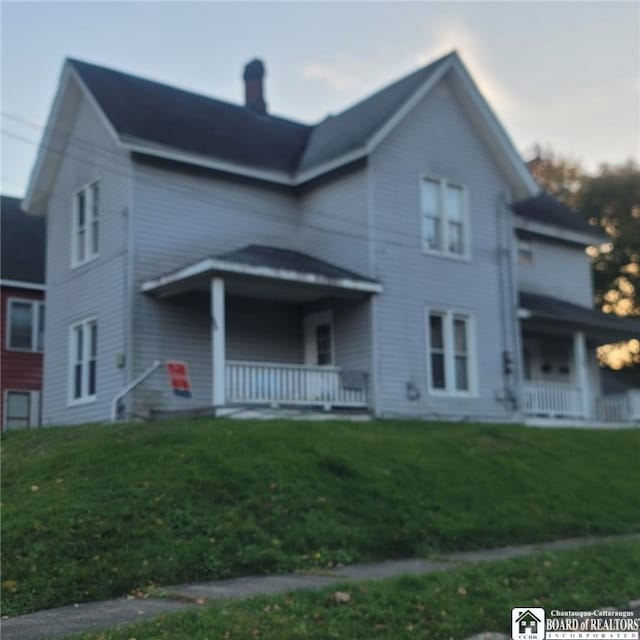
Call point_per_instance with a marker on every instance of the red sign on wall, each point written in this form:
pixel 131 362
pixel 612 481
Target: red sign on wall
pixel 179 378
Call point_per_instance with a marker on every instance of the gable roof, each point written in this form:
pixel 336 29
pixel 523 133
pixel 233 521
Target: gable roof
pixel 544 209
pixel 150 111
pixel 350 129
pixel 152 118
pixel 145 110
pixel 22 243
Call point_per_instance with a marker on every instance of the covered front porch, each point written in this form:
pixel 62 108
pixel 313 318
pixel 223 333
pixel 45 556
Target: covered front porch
pixel 560 372
pixel 286 329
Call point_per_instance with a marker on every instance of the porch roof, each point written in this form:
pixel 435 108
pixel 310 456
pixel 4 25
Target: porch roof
pixel 272 267
pixel 594 322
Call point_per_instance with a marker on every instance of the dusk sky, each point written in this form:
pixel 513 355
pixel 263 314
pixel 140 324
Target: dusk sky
pixel 564 74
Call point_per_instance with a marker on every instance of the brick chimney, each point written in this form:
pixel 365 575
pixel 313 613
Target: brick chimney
pixel 253 93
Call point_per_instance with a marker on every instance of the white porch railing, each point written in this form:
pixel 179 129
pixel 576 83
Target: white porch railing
pixel 619 407
pixel 275 383
pixel 552 400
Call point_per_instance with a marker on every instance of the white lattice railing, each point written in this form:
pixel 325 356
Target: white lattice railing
pixel 552 400
pixel 275 383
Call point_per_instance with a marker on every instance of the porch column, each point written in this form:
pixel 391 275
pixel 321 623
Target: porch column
pixel 218 342
pixel 582 373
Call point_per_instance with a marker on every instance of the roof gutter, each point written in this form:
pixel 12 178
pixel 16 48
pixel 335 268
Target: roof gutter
pixel 582 238
pixel 213 265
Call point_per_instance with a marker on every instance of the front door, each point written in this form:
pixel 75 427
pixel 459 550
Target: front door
pixel 318 339
pixel 319 352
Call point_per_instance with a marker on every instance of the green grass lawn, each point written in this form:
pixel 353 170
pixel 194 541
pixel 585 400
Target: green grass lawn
pixel 438 607
pixel 93 512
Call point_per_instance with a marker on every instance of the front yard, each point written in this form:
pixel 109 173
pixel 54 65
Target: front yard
pixel 97 511
pixel 443 606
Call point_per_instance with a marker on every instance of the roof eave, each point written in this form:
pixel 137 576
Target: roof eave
pixel 43 159
pixel 211 266
pixel 48 158
pixel 524 183
pixel 557 232
pixel 144 147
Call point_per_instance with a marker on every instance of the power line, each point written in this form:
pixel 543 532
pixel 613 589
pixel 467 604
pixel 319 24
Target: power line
pixel 179 188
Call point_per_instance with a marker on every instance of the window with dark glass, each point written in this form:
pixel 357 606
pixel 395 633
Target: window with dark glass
pixel 449 352
pixel 26 325
pixel 86 224
pixel 437 351
pixel 444 217
pixel 18 411
pixel 323 344
pixel 84 358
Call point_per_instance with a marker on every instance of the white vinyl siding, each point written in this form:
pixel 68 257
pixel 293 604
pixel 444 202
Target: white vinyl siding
pixel 85 227
pixel 83 361
pixel 450 353
pixel 445 225
pixel 25 322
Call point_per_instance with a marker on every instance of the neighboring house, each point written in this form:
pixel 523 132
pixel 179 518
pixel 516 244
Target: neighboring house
pixel 370 262
pixel 22 287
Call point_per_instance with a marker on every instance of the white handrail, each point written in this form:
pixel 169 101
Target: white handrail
pixel 132 385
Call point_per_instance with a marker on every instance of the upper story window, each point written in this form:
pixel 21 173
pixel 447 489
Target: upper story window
pixel 25 320
pixel 85 227
pixel 445 225
pixel 525 251
pixel 83 361
pixel 450 352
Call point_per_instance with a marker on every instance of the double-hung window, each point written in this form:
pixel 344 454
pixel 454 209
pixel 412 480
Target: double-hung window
pixel 85 227
pixel 445 226
pixel 450 357
pixel 18 409
pixel 83 361
pixel 26 325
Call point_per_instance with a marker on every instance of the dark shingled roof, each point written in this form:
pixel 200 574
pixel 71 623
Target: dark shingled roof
pixel 546 209
pixel 263 256
pixel 185 121
pixel 191 122
pixel 350 129
pixel 22 243
pixel 561 311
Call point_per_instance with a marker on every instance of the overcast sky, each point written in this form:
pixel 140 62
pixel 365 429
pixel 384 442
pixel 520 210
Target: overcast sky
pixel 564 74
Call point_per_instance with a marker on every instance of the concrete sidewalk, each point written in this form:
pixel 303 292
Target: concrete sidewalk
pixel 54 623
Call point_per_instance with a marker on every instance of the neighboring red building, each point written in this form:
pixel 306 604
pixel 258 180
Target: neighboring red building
pixel 22 290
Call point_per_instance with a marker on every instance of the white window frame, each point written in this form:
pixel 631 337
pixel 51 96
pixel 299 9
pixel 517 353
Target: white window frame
pixel 84 397
pixel 90 221
pixel 524 246
pixel 448 317
pixel 34 407
pixel 442 217
pixel 36 306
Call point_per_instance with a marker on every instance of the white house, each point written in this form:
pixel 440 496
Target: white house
pixel 396 258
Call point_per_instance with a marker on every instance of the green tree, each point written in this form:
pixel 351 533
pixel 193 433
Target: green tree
pixel 610 199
